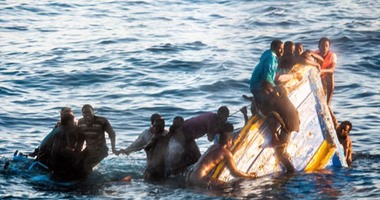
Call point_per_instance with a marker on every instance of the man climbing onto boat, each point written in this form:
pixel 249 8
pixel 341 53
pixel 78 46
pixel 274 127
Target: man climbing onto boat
pixel 270 99
pixel 343 131
pixel 200 176
pixel 187 152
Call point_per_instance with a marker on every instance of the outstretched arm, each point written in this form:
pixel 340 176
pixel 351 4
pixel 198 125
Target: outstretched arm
pixel 232 167
pixel 112 136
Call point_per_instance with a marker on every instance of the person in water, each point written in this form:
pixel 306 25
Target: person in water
pixel 60 150
pixel 144 137
pixel 343 131
pixel 156 150
pixel 328 61
pixel 200 175
pixel 94 128
pixel 187 152
pixel 66 110
pixel 67 162
pixel 177 123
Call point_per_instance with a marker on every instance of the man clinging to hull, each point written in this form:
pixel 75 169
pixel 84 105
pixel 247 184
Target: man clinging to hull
pixel 200 175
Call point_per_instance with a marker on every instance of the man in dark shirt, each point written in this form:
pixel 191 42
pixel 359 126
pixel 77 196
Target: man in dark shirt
pixel 191 129
pixel 94 128
pixel 156 152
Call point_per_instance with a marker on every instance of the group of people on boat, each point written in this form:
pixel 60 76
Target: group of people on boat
pixel 270 97
pixel 73 148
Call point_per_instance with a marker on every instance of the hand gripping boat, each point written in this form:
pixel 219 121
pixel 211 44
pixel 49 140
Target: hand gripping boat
pixel 314 147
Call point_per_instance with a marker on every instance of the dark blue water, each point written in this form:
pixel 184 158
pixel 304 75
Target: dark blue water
pixel 130 59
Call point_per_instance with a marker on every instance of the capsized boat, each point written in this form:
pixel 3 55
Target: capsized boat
pixel 314 147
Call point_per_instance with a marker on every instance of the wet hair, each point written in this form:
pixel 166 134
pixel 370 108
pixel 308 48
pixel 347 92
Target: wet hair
pixel 223 111
pixel 341 127
pixel 324 39
pixel 87 106
pixel 298 45
pixel 154 117
pixel 344 124
pixel 224 138
pixel 275 44
pixel 227 128
pixel 66 118
pixel 65 110
pixel 160 124
pixel 177 122
pixel 288 45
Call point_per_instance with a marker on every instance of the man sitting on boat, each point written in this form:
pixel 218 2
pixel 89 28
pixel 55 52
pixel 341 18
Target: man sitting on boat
pixel 272 100
pixel 199 176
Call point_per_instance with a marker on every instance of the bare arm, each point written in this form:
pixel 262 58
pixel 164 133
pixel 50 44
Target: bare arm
pixel 245 113
pixel 231 165
pixel 317 57
pixel 329 70
pixel 112 136
pixel 287 77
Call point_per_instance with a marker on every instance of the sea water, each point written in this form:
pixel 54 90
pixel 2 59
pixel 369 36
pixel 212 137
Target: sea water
pixel 130 59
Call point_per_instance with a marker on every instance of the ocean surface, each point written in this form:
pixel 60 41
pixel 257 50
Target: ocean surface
pixel 130 59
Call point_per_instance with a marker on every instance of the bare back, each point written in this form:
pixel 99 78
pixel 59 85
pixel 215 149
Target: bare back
pixel 210 159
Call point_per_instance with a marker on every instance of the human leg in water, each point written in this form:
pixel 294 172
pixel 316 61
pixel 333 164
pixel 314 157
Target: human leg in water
pixel 281 152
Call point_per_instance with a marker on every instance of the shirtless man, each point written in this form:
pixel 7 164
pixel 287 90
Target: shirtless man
pixel 200 176
pixel 343 131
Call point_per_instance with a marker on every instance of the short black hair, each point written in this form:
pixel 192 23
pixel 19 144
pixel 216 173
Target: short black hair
pixel 324 39
pixel 288 45
pixel 224 138
pixel 160 124
pixel 87 106
pixel 345 123
pixel 66 118
pixel 275 44
pixel 227 128
pixel 154 117
pixel 223 111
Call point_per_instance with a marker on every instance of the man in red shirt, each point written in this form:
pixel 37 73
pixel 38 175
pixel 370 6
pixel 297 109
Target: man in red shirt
pixel 327 67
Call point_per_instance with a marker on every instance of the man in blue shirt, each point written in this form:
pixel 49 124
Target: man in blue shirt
pixel 273 102
pixel 267 67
